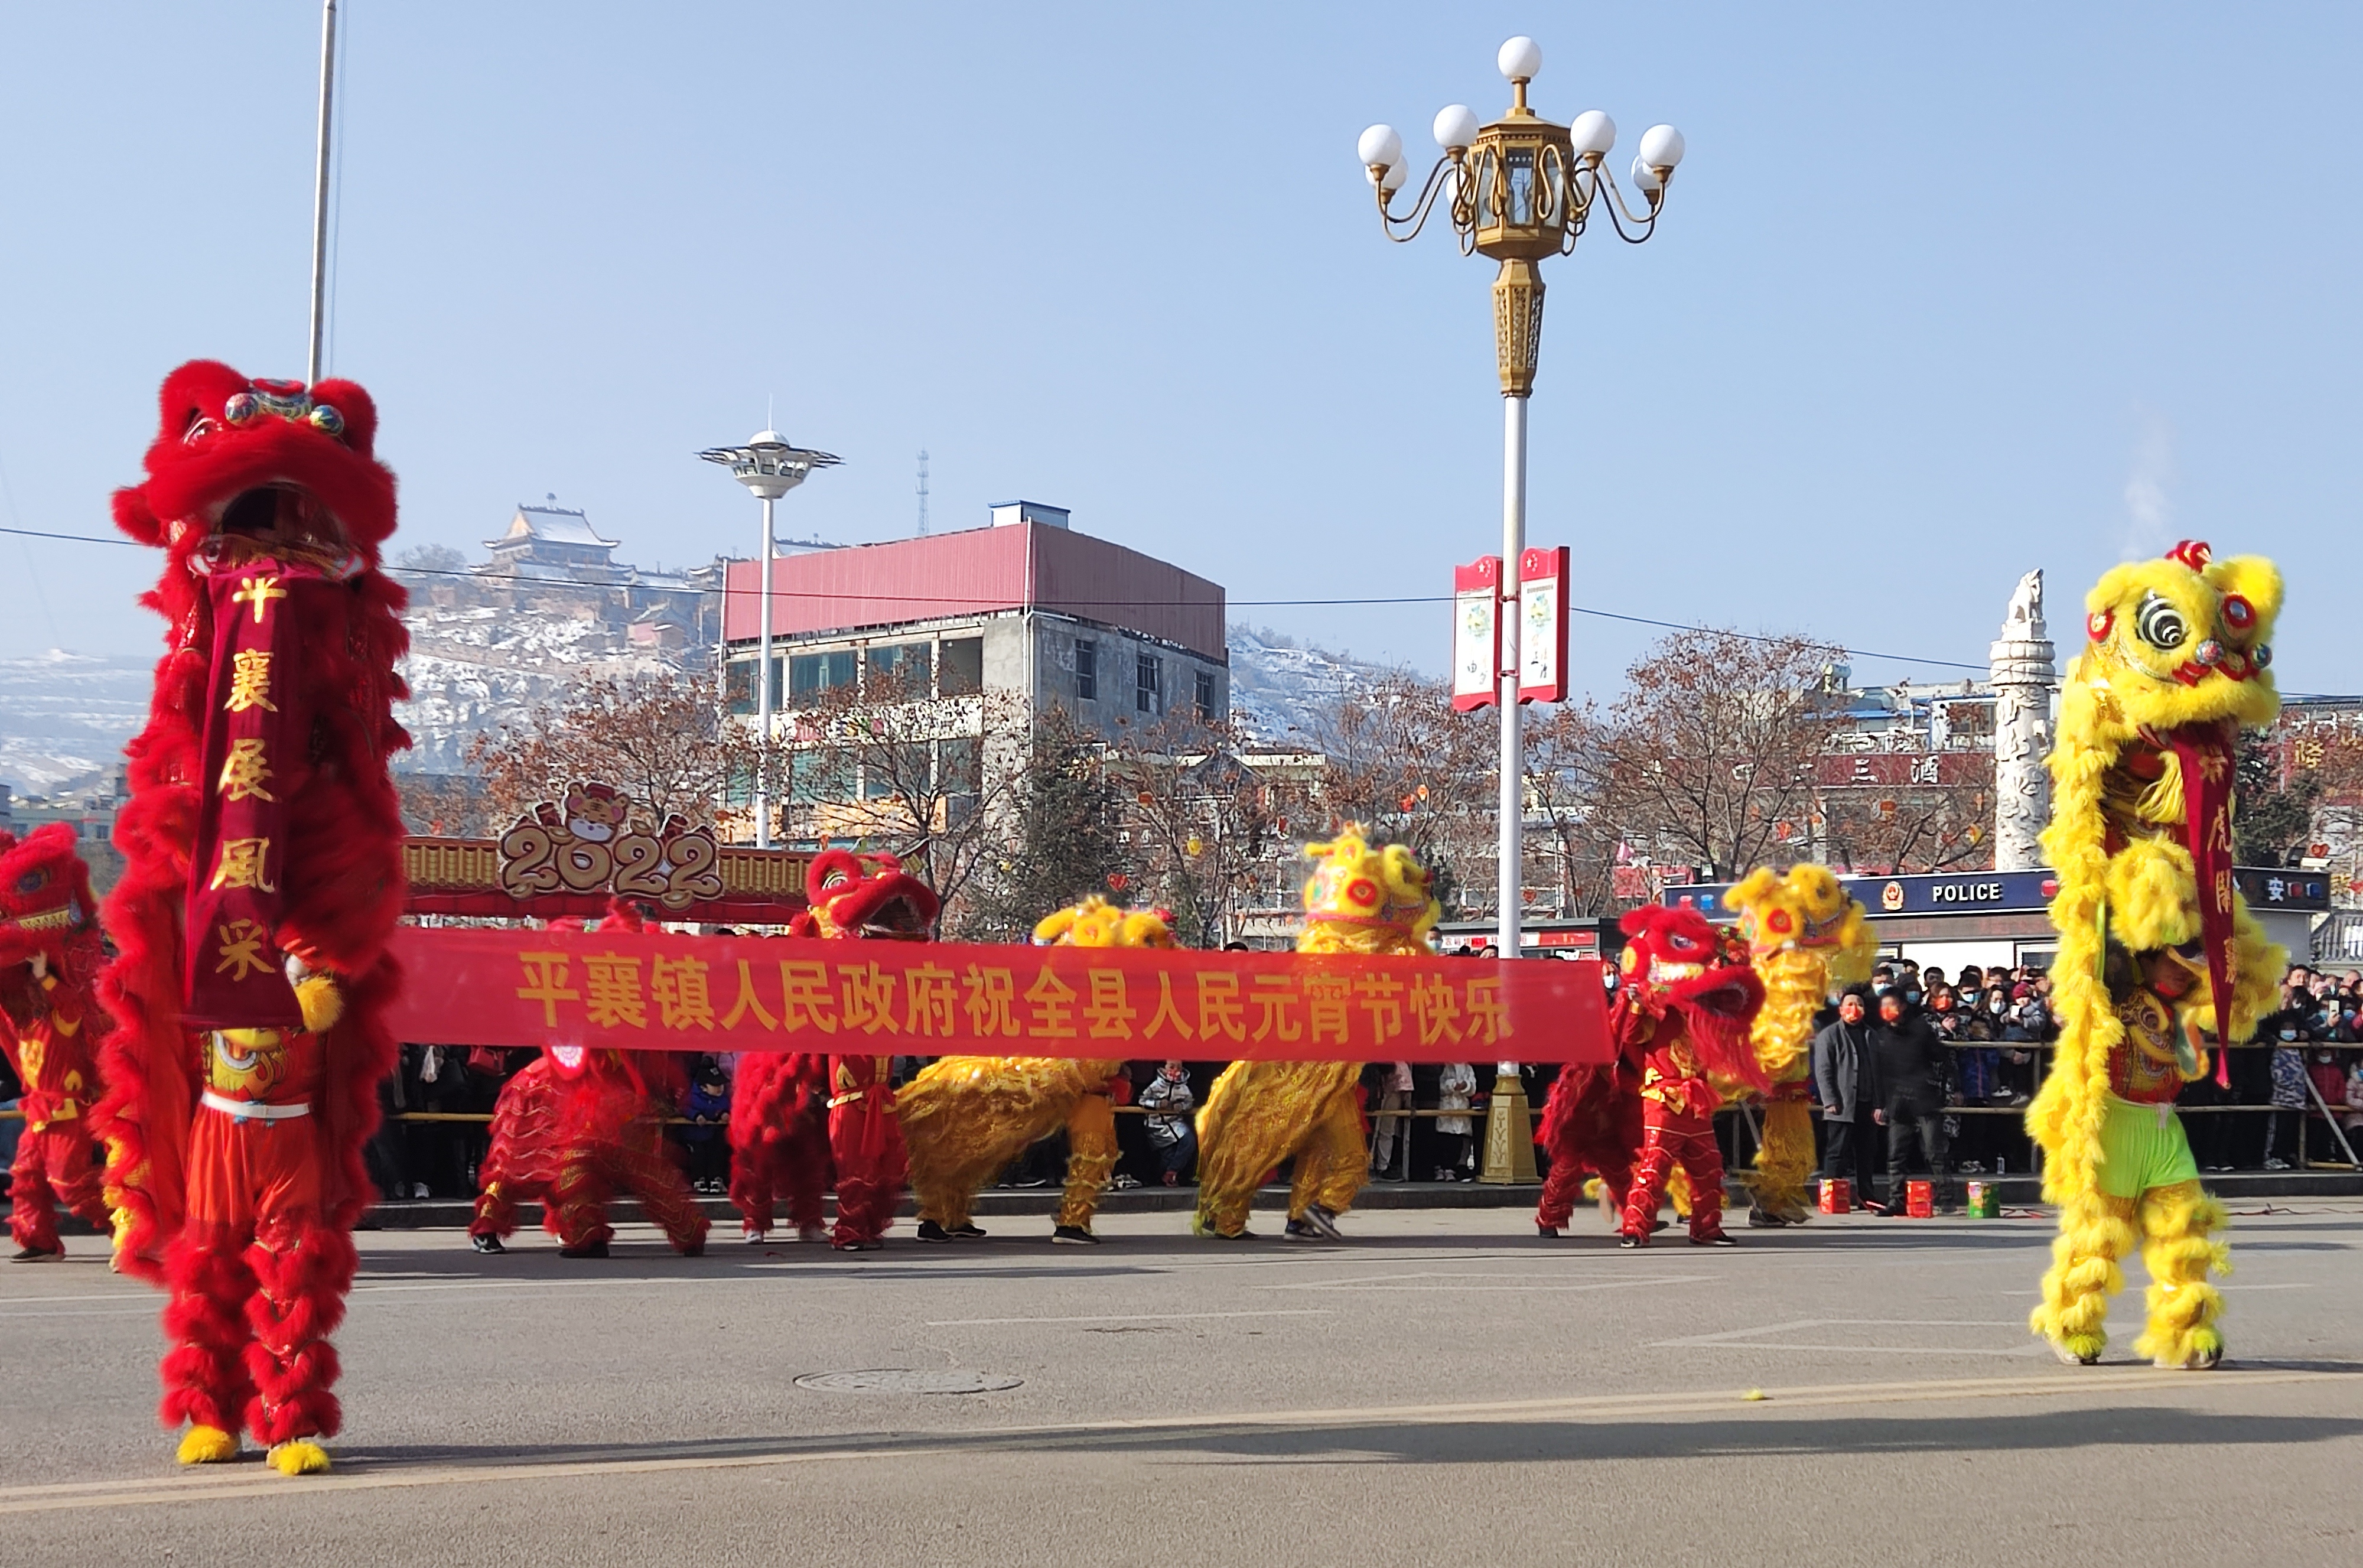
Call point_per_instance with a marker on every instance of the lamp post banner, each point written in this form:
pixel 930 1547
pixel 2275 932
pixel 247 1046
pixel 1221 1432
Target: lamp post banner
pixel 653 991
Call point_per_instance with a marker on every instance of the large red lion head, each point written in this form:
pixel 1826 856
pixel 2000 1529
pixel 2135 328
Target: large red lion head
pixel 1676 964
pixel 241 466
pixel 46 910
pixel 866 896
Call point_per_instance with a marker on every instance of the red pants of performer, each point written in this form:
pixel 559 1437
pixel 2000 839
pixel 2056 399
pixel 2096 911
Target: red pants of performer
pixel 54 1165
pixel 866 1138
pixel 258 1282
pixel 574 1201
pixel 1671 1138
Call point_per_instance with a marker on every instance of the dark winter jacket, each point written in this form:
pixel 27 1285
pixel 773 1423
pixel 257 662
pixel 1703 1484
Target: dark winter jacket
pixel 1912 1070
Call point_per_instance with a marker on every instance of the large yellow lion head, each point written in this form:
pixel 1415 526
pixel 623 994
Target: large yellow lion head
pixel 1804 909
pixel 2175 642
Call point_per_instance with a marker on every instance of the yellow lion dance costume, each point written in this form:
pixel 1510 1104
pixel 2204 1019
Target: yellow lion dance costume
pixel 1806 939
pixel 965 1118
pixel 2154 943
pixel 1358 900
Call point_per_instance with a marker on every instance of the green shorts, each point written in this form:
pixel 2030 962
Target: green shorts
pixel 2143 1147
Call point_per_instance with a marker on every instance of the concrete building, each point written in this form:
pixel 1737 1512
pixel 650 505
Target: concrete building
pixel 1027 609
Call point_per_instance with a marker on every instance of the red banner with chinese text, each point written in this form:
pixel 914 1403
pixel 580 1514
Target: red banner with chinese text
pixel 651 991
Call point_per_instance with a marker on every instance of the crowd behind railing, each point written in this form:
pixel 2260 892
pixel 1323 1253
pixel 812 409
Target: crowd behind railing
pixel 2301 1085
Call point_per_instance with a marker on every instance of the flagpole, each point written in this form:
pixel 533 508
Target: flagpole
pixel 320 191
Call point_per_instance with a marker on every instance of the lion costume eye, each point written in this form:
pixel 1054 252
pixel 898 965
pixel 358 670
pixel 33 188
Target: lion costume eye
pixel 2159 624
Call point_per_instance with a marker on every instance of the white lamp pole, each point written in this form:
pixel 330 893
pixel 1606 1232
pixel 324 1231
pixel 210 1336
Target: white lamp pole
pixel 771 467
pixel 1522 189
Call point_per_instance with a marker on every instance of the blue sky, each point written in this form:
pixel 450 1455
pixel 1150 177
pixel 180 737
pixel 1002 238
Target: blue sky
pixel 1943 292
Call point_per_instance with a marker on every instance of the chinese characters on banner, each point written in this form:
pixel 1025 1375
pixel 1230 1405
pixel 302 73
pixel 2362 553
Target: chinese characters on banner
pixel 654 991
pixel 253 733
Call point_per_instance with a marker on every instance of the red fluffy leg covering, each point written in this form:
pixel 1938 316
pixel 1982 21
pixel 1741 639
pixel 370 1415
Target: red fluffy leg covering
pixel 33 1210
pixel 1701 1159
pixel 205 1371
pixel 803 1163
pixel 76 1176
pixel 302 1272
pixel 495 1215
pixel 870 1162
pixel 1561 1188
pixel 754 1183
pixel 1648 1187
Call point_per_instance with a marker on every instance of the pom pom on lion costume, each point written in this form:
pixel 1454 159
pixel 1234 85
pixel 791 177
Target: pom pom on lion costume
pixel 965 1118
pixel 1359 899
pixel 2157 948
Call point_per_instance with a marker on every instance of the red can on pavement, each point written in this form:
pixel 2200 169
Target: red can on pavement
pixel 1837 1195
pixel 1920 1200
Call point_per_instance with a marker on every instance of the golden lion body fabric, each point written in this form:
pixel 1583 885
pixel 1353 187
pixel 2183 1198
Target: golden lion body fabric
pixel 2175 665
pixel 1360 900
pixel 1805 938
pixel 965 1118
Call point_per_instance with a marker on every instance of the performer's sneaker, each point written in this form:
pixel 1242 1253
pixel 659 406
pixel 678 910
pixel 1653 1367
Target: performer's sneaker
pixel 1300 1230
pixel 1762 1219
pixel 588 1249
pixel 1325 1221
pixel 964 1231
pixel 859 1246
pixel 757 1238
pixel 1548 1232
pixel 931 1231
pixel 1630 1239
pixel 486 1243
pixel 1072 1236
pixel 1717 1239
pixel 41 1254
pixel 810 1235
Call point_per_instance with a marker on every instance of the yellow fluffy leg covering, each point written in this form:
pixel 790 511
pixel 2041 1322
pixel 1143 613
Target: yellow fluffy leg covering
pixel 1785 1160
pixel 1257 1115
pixel 207 1445
pixel 299 1456
pixel 2179 1250
pixel 1333 1161
pixel 1091 1159
pixel 2095 1230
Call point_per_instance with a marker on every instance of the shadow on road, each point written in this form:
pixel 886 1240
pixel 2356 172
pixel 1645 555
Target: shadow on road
pixel 1479 1442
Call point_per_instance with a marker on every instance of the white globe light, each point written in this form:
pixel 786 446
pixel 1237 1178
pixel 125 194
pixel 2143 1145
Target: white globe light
pixel 1645 177
pixel 1392 180
pixel 1455 127
pixel 1661 147
pixel 1591 132
pixel 1379 145
pixel 1521 58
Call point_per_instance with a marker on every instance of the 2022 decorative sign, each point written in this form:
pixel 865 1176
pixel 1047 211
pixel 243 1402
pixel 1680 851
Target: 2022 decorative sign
pixel 591 845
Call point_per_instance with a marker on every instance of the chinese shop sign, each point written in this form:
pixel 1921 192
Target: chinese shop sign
pixel 650 991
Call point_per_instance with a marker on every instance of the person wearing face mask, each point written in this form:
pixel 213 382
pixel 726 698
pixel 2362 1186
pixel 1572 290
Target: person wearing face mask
pixel 2293 1028
pixel 1842 1084
pixel 1912 1074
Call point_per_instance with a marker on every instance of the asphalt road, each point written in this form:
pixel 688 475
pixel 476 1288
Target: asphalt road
pixel 1443 1388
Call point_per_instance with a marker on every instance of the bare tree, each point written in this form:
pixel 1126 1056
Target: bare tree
pixel 1711 748
pixel 1889 813
pixel 886 762
pixel 658 738
pixel 1565 791
pixel 1400 760
pixel 1204 823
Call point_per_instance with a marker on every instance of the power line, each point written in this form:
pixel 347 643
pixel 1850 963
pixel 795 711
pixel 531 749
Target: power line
pixel 953 603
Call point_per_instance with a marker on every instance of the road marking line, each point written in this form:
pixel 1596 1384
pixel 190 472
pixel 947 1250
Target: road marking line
pixel 137 1492
pixel 1133 1317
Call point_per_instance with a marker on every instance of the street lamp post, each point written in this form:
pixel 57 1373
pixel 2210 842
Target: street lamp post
pixel 771 467
pixel 1518 190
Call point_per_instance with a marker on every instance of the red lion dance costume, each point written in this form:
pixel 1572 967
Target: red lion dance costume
pixel 852 897
pixel 966 1118
pixel 51 1024
pixel 1683 1008
pixel 577 1127
pixel 264 843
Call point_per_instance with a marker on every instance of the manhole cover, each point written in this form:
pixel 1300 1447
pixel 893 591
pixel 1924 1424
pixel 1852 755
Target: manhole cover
pixel 895 1381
